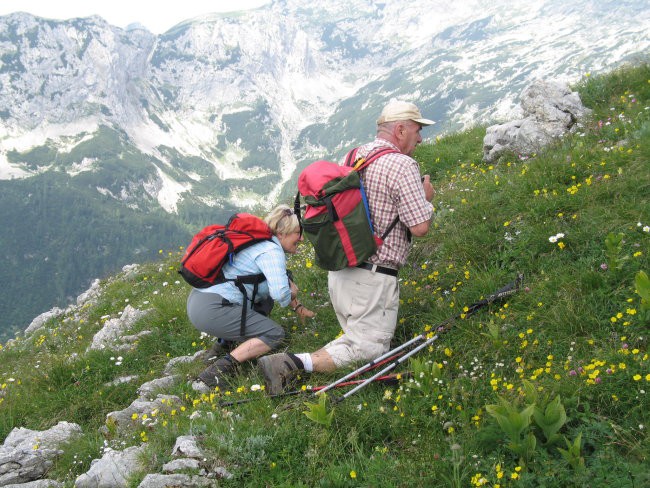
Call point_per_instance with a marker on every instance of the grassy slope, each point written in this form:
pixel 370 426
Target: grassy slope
pixel 578 331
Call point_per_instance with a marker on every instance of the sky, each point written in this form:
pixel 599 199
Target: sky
pixel 157 16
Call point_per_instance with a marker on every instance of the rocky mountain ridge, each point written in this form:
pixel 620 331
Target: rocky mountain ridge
pixel 230 99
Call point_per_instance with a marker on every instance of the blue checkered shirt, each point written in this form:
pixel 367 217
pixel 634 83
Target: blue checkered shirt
pixel 264 257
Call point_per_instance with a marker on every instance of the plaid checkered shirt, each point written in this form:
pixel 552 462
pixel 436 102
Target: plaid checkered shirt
pixel 394 187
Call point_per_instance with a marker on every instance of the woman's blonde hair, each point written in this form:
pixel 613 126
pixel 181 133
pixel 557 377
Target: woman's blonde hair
pixel 282 220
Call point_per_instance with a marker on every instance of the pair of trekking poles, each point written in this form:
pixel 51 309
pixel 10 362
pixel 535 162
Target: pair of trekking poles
pixel 395 357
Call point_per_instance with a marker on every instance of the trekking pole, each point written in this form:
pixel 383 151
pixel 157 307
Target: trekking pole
pixel 505 291
pixel 390 355
pixel 391 366
pixel 386 379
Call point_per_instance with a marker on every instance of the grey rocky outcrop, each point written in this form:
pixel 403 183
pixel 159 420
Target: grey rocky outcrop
pixel 176 481
pixel 186 447
pixel 122 380
pixel 26 455
pixel 113 335
pixel 88 296
pixel 37 484
pixel 175 362
pixel 113 469
pixel 42 319
pixel 148 389
pixel 188 457
pixel 123 420
pixel 181 465
pixel 550 110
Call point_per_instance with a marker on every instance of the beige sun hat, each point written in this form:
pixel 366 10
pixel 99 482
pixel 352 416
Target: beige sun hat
pixel 401 110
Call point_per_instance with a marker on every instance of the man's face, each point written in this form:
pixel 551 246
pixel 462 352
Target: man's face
pixel 409 136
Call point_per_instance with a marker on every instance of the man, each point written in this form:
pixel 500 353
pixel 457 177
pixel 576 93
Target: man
pixel 366 298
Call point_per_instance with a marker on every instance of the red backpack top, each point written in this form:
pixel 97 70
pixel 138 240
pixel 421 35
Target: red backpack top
pixel 215 245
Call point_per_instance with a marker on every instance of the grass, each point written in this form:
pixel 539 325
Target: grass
pixel 545 389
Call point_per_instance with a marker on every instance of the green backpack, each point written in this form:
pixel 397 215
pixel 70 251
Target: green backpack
pixel 337 218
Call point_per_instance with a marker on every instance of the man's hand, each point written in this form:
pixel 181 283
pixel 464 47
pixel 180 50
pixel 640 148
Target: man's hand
pixel 429 192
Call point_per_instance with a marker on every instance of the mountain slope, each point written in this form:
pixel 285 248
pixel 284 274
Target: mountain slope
pixel 545 388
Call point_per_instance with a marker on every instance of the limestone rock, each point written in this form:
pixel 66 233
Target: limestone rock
pixel 122 420
pixel 111 335
pixel 186 447
pixel 112 470
pixel 181 465
pixel 550 110
pixel 37 484
pixel 26 455
pixel 175 481
pixel 147 389
pixel 171 365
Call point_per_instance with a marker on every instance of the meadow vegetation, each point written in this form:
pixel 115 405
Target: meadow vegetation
pixel 547 388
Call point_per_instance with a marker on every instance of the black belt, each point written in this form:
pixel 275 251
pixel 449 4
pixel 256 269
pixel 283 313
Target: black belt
pixel 378 269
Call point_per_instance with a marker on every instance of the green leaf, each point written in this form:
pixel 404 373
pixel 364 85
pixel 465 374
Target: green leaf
pixel 551 419
pixel 512 422
pixel 318 411
pixel 572 454
pixel 530 391
pixel 642 284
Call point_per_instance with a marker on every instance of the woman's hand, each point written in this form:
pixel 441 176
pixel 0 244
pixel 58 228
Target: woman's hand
pixel 303 313
pixel 294 293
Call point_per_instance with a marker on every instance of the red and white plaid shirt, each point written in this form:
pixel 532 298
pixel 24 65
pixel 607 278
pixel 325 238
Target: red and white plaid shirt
pixel 394 187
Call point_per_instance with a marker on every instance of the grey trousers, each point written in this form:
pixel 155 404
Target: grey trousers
pixel 208 314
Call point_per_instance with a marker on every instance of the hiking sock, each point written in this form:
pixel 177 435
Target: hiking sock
pixel 297 361
pixel 305 358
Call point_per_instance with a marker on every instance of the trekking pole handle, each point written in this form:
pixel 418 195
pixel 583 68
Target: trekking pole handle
pixel 509 289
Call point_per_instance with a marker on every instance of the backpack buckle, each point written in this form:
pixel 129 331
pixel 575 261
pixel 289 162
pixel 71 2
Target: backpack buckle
pixel 359 162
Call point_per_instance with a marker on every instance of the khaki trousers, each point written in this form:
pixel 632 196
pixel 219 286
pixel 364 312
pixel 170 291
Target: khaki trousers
pixel 366 305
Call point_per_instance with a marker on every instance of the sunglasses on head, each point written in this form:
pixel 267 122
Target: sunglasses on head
pixel 288 213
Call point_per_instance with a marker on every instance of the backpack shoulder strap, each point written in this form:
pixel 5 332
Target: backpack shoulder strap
pixel 239 282
pixel 351 157
pixel 361 163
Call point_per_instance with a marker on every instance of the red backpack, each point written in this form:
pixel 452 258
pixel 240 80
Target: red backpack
pixel 337 218
pixel 215 245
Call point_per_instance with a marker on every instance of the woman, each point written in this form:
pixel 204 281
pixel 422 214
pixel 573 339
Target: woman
pixel 217 310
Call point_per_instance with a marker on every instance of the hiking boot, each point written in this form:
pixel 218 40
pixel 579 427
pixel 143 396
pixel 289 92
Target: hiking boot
pixel 279 370
pixel 217 374
pixel 217 349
